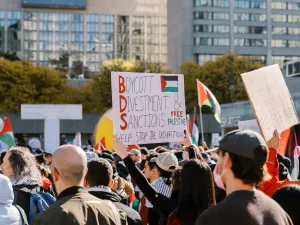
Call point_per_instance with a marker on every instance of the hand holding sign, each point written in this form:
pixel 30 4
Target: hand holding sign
pixel 120 148
pixel 275 140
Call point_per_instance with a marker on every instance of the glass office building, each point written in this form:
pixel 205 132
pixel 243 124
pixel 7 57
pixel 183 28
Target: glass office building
pixel 264 30
pixel 89 31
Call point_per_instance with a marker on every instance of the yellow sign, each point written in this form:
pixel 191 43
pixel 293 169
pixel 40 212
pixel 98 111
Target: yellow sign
pixel 104 131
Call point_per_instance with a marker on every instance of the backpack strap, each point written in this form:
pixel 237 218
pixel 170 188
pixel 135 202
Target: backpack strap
pixel 24 217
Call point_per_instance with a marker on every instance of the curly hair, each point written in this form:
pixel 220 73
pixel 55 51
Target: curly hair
pixel 22 163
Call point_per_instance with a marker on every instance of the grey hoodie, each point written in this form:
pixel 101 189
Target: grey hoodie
pixel 9 214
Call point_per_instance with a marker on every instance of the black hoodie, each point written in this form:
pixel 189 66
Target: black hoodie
pixel 133 218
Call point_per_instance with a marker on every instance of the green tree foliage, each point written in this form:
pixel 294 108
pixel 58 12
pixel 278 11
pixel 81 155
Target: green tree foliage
pixel 222 77
pixel 23 83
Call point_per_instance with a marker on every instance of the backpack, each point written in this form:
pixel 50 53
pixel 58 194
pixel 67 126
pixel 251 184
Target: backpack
pixel 23 215
pixel 39 202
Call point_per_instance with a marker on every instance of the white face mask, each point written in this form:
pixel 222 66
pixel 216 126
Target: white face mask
pixel 185 155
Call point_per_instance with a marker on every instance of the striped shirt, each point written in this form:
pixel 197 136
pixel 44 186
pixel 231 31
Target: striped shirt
pixel 161 187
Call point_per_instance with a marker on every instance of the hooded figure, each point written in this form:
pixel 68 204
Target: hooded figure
pixel 9 214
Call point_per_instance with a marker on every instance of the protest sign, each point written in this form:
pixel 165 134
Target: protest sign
pixel 215 139
pixel 270 99
pixel 249 125
pixel 148 108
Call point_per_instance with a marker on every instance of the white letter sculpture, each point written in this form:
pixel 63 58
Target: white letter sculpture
pixel 51 114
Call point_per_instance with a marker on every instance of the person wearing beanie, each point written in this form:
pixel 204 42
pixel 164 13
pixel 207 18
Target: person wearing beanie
pixel 9 214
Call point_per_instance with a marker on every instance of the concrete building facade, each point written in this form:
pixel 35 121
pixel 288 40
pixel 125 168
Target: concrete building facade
pixel 89 31
pixel 201 30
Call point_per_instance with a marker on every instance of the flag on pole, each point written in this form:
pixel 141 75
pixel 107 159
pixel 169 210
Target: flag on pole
pixel 6 134
pixel 195 131
pixel 100 146
pixel 77 139
pixel 205 97
pixel 189 124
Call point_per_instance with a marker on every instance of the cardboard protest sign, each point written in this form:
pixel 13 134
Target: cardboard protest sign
pixel 215 139
pixel 148 108
pixel 249 125
pixel 270 99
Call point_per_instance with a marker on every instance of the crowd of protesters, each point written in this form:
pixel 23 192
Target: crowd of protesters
pixel 243 181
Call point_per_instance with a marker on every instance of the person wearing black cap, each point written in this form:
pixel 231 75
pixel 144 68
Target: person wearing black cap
pixel 242 156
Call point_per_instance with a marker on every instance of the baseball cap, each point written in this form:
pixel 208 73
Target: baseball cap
pixel 91 155
pixel 166 161
pixel 242 143
pixel 134 152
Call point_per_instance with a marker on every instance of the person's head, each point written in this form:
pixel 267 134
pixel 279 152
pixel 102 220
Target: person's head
pixel 192 152
pixel 100 172
pixel 48 158
pixel 196 191
pixel 38 152
pixel 160 149
pixel 6 193
pixel 88 142
pixel 2 154
pixel 144 152
pixel 135 155
pixel 19 163
pixel 39 159
pixel 117 158
pixel 162 165
pixel 69 167
pixel 242 155
pixel 288 198
pixel 106 156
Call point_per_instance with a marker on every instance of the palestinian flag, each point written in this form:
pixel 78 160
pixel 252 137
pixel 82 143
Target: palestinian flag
pixel 169 83
pixel 6 135
pixel 195 131
pixel 205 97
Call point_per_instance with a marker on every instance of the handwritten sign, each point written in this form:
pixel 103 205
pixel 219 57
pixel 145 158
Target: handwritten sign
pixel 148 108
pixel 271 100
pixel 249 125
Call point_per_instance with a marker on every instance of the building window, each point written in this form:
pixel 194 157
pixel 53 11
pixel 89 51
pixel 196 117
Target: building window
pixel 211 3
pixel 278 5
pixel 138 38
pixel 92 42
pixel 250 4
pixel 250 42
pixel 201 41
pixel 279 30
pixel 203 58
pixel 279 18
pixel 293 5
pixel 281 60
pixel 257 58
pixel 211 15
pixel 107 32
pixel 250 30
pixel 13 32
pixel 211 28
pixel 279 43
pixel 2 30
pixel 250 17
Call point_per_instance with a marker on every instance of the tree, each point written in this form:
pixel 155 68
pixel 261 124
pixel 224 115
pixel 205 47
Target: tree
pixel 23 83
pixel 222 77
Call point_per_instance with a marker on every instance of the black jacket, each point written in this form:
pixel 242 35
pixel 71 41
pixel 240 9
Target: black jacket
pixel 162 205
pixel 133 218
pixel 75 206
